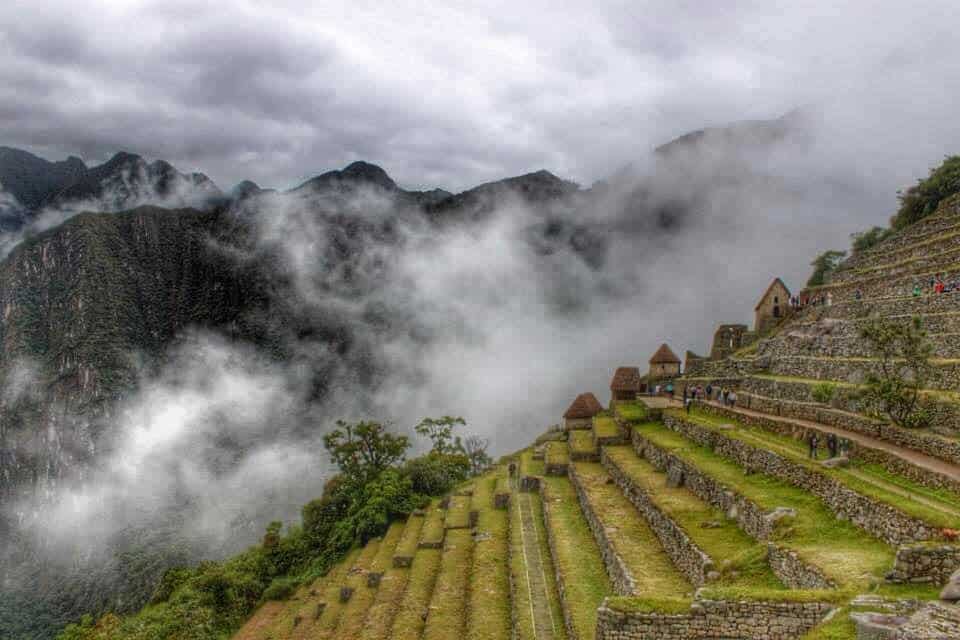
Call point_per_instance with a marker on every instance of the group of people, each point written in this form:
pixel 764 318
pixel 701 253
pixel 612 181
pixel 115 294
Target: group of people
pixel 723 395
pixel 937 285
pixel 836 447
pixel 807 300
pixel 666 389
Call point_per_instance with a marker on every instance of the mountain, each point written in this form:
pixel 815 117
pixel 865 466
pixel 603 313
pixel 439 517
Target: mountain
pixel 31 182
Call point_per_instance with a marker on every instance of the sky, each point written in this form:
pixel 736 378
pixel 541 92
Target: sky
pixel 456 93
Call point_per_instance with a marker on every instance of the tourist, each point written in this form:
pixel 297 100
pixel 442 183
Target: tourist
pixel 858 294
pixel 813 441
pixel 844 447
pixel 829 298
pixel 732 398
pixel 939 286
pixel 670 389
pixel 687 402
pixel 513 469
pixel 709 391
pixel 917 290
pixel 832 445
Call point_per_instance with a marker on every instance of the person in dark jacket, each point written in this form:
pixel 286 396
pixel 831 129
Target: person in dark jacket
pixel 813 441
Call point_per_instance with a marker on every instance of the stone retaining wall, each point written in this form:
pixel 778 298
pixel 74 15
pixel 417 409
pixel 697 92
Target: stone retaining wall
pixel 945 375
pixel 794 344
pixel 623 581
pixel 584 456
pixel 925 563
pixel 558 575
pixel 714 619
pixel 755 521
pixel 881 520
pixel 924 257
pixel 689 558
pixel 556 468
pixel 891 462
pixel 885 306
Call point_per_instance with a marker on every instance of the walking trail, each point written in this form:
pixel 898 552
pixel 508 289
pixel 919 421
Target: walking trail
pixel 540 612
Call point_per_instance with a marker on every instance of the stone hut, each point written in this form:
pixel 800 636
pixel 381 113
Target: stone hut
pixel 580 413
pixel 664 364
pixel 727 339
pixel 773 306
pixel 625 384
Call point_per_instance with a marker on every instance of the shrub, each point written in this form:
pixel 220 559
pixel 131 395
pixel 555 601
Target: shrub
pixel 867 239
pixel 435 474
pixel 823 265
pixel 281 589
pixel 922 199
pixel 904 353
pixel 823 392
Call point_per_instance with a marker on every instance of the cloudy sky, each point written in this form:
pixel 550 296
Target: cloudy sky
pixel 451 94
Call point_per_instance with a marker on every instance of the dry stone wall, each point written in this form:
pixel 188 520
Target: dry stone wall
pixel 795 344
pixel 689 558
pixel 714 619
pixel 925 563
pixel 925 255
pixel 946 375
pixel 881 520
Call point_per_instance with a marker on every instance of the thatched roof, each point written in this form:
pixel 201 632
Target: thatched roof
pixel 664 356
pixel 585 406
pixel 626 379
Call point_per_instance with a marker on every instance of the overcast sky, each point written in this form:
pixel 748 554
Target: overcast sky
pixel 451 94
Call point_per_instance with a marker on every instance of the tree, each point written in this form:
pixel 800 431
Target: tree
pixel 440 432
pixel 476 449
pixel 867 239
pixel 823 265
pixel 365 449
pixel 922 199
pixel 903 352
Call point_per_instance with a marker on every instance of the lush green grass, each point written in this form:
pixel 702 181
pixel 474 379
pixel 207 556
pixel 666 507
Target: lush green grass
pixel 529 466
pixel 796 452
pixel 448 606
pixel 355 611
pixel 852 557
pixel 556 453
pixel 433 525
pixel 938 394
pixel 631 411
pixel 408 623
pixel 738 558
pixel 489 611
pixel 389 594
pixel 458 512
pixel 839 627
pixel 631 604
pixel 605 427
pixel 328 622
pixel 556 610
pixel 630 536
pixel 578 556
pixel 581 442
pixel 407 546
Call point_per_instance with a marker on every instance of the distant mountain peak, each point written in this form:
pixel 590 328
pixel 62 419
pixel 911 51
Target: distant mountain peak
pixel 354 174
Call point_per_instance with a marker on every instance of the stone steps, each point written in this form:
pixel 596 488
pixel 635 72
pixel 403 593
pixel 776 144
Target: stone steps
pixel 632 554
pixel 771 510
pixel 704 545
pixel 882 514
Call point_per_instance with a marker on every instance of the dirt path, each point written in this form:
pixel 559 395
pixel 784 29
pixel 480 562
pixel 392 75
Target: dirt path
pixel 540 611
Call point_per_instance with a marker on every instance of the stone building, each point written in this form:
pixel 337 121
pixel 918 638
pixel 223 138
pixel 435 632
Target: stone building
pixel 664 364
pixel 773 306
pixel 626 384
pixel 728 338
pixel 692 362
pixel 580 413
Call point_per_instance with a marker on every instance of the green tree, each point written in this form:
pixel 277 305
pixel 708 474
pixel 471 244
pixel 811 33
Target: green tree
pixel 440 432
pixel 823 266
pixel 922 199
pixel 867 239
pixel 364 449
pixel 903 352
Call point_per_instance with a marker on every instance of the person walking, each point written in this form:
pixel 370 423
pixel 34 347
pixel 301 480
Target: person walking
pixel 709 391
pixel 844 447
pixel 917 290
pixel 670 389
pixel 732 398
pixel 813 441
pixel 832 445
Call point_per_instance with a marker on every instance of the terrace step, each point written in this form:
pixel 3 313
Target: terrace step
pixel 556 458
pixel 945 376
pixel 393 583
pixel 795 343
pixel 581 447
pixel 325 626
pixel 447 612
pixel 412 612
pixel 489 613
pixel 366 585
pixel 913 259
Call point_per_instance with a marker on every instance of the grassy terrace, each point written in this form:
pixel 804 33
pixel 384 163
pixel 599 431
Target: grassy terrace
pixel 489 610
pixel 605 427
pixel 448 607
pixel 556 453
pixel 355 611
pixel 458 513
pixel 407 545
pixel 937 394
pixel 390 592
pixel 578 556
pixel 432 532
pixel 581 442
pixel 522 604
pixel 630 535
pixel 328 622
pixel 631 411
pixel 408 623
pixel 851 559
pixel 939 508
pixel 740 559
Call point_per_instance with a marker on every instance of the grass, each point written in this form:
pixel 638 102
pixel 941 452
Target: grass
pixel 605 427
pixel 521 589
pixel 581 442
pixel 355 611
pixel 489 610
pixel 947 396
pixel 631 411
pixel 328 622
pixel 408 623
pixel 458 513
pixel 838 627
pixel 577 556
pixel 631 604
pixel 556 453
pixel 529 466
pixel 630 535
pixel 432 532
pixel 407 546
pixel 448 605
pixel 556 611
pixel 738 558
pixel 852 558
pixel 796 452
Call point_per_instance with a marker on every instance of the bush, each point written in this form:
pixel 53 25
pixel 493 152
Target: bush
pixel 922 199
pixel 867 239
pixel 823 392
pixel 823 265
pixel 281 589
pixel 435 474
